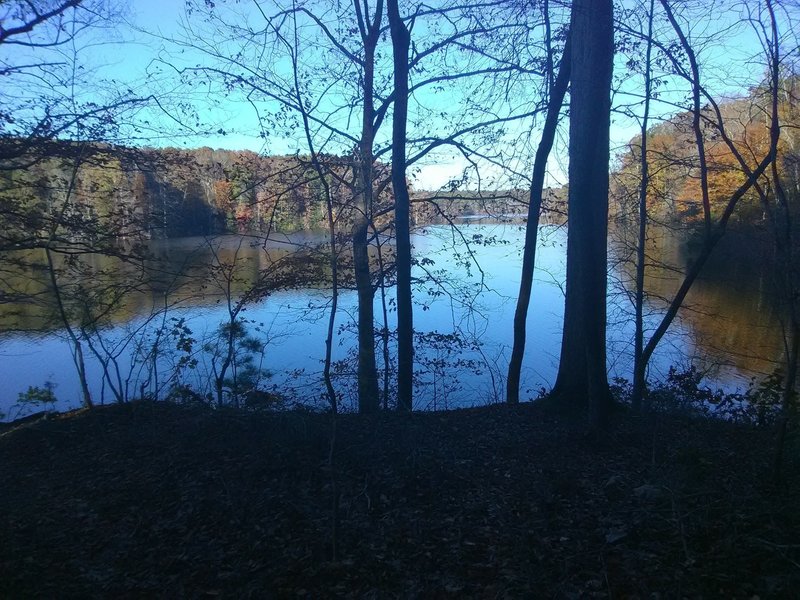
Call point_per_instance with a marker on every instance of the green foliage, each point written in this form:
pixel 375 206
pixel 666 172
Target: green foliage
pixel 183 342
pixel 683 391
pixel 442 364
pixel 240 344
pixel 39 395
pixel 184 394
pixel 765 397
pixel 244 373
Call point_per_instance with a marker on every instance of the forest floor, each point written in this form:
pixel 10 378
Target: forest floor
pixel 159 500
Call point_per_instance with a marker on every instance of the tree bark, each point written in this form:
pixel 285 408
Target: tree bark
pixel 639 367
pixel 554 105
pixel 405 315
pixel 582 376
pixel 367 370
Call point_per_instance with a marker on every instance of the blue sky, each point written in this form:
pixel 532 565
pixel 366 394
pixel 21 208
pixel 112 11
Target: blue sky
pixel 238 118
pixel 138 54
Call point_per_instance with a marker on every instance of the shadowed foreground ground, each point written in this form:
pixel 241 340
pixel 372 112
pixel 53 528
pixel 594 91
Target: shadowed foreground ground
pixel 160 500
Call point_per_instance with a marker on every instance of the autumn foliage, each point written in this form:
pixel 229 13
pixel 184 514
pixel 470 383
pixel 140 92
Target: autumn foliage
pixel 675 189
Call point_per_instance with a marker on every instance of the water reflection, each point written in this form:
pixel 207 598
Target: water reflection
pixel 180 271
pixel 731 321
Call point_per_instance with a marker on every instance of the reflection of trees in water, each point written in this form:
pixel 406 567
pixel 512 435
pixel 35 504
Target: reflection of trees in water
pixel 90 284
pixel 732 316
pixel 176 271
pixel 732 313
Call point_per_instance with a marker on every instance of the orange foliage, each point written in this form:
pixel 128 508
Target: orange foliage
pixel 223 194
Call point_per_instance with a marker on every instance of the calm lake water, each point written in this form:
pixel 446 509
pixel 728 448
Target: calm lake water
pixel 731 327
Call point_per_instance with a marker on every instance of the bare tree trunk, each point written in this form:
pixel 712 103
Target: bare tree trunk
pixel 334 263
pixel 787 278
pixel 405 317
pixel 367 370
pixel 557 93
pixel 77 349
pixel 333 257
pixel 640 368
pixel 582 377
pixel 233 309
pixel 784 238
pixel 385 328
pixel 788 395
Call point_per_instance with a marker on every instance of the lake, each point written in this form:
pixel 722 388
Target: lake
pixel 464 306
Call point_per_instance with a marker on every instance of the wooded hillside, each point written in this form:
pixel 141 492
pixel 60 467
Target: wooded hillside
pixel 172 192
pixel 674 190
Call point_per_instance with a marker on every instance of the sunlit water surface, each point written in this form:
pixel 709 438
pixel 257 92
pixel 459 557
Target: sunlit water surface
pixel 735 334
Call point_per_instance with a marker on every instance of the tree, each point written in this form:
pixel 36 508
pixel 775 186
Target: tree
pixel 289 31
pixel 641 242
pixel 558 90
pixel 40 47
pixel 781 221
pixel 240 281
pixel 60 118
pixel 708 121
pixel 343 89
pixel 333 257
pixel 369 27
pixel 402 205
pixel 582 377
pixel 779 202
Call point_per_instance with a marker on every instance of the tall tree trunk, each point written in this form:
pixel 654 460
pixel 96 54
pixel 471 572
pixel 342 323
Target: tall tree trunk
pixel 367 370
pixel 405 317
pixel 785 245
pixel 557 93
pixel 639 367
pixel 786 254
pixel 333 261
pixel 333 256
pixel 582 374
pixel 385 333
pixel 334 264
pixel 788 395
pixel 780 220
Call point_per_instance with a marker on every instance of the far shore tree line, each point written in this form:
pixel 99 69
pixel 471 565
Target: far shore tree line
pixel 165 193
pixel 371 90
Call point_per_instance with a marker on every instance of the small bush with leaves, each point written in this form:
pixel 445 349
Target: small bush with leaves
pixel 39 396
pixel 184 394
pixel 684 391
pixel 236 355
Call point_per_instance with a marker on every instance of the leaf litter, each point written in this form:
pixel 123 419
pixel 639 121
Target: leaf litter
pixel 161 500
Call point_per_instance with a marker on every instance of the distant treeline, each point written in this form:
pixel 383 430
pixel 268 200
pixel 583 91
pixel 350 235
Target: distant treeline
pixel 675 191
pixel 172 192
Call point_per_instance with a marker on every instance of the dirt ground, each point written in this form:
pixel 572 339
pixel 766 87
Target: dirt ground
pixel 160 500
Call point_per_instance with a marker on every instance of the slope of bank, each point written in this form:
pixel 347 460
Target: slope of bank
pixel 159 500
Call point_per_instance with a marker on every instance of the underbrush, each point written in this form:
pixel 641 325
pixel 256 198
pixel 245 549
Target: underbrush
pixel 684 392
